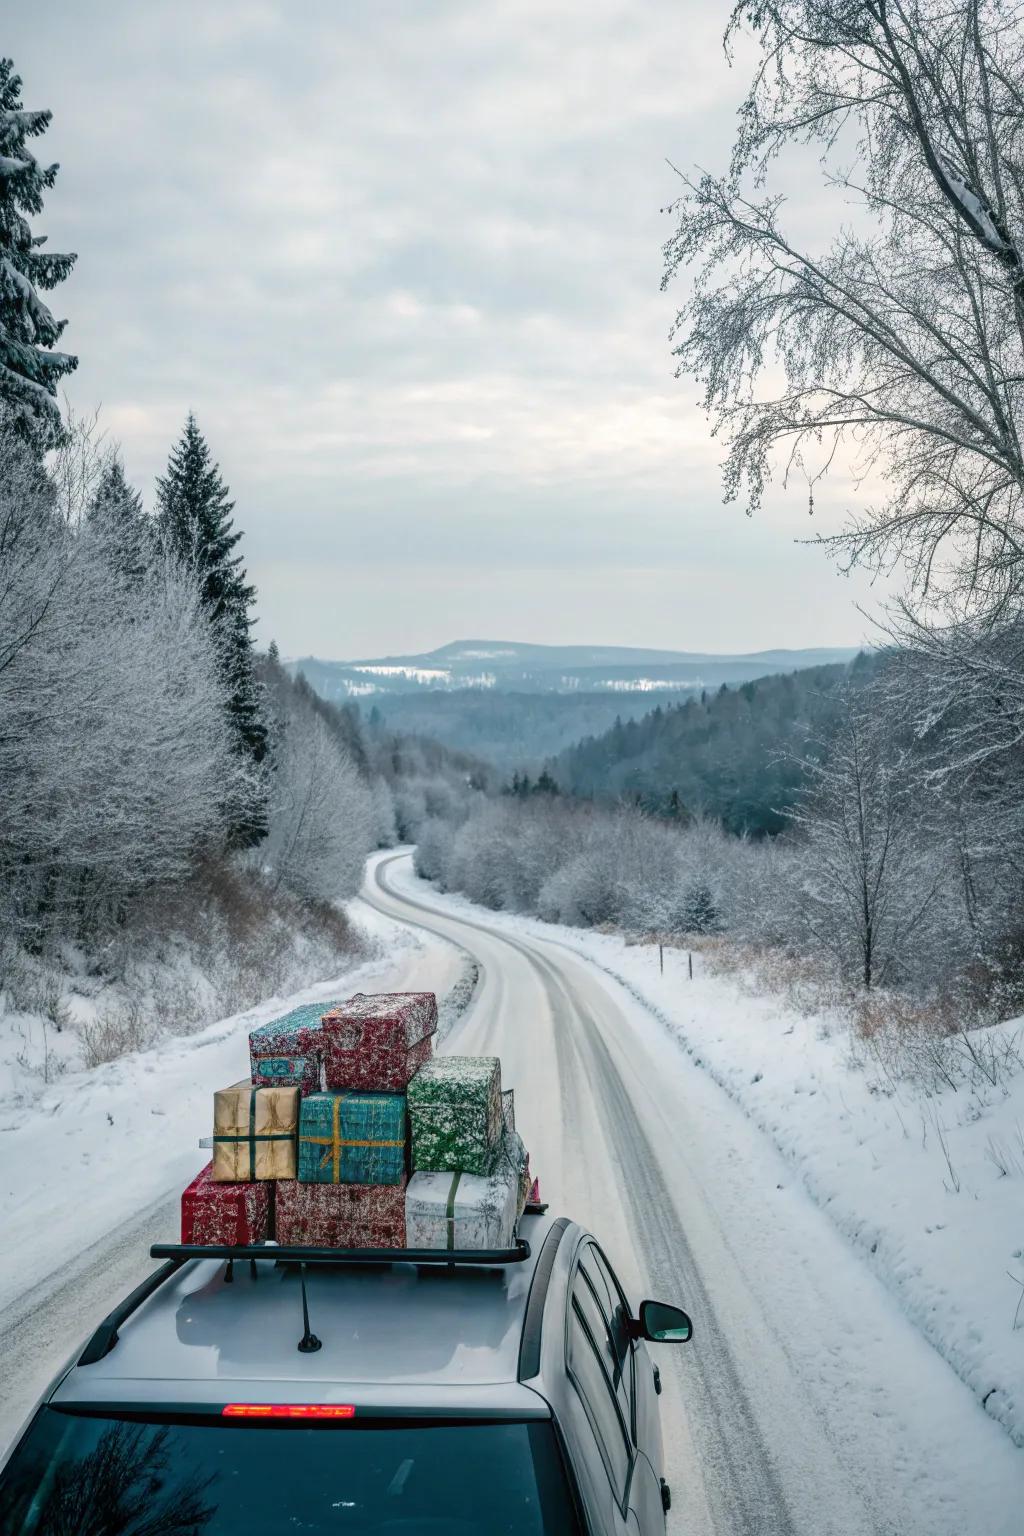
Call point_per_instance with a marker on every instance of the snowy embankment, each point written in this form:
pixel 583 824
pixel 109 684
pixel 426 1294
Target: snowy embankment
pixel 99 1146
pixel 929 1190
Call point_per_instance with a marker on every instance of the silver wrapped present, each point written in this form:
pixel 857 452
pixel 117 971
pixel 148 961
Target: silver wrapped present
pixel 467 1210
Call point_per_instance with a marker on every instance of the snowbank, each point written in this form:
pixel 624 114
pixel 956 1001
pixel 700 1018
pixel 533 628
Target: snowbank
pixel 97 1147
pixel 75 1010
pixel 917 1184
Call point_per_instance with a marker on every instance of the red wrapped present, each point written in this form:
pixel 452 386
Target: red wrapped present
pixel 375 1044
pixel 232 1214
pixel 340 1215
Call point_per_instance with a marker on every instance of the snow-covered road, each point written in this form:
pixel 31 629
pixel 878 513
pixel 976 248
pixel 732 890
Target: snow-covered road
pixel 808 1403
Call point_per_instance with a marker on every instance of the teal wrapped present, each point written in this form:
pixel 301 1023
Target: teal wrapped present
pixel 286 1052
pixel 455 1111
pixel 352 1138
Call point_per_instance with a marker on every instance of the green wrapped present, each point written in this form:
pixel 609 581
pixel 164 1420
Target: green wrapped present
pixel 352 1138
pixel 455 1112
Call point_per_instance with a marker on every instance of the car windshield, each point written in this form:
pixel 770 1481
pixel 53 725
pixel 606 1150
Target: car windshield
pixel 76 1474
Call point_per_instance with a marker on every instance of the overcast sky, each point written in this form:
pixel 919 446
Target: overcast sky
pixel 403 261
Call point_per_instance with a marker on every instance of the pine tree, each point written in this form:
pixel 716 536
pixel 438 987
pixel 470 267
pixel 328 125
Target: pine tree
pixel 116 512
pixel 700 914
pixel 545 785
pixel 194 517
pixel 29 369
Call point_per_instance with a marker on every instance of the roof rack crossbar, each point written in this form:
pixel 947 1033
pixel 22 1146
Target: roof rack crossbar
pixel 286 1253
pixel 105 1335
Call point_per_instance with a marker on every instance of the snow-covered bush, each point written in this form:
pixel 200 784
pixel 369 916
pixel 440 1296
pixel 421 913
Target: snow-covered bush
pixel 430 858
pixel 580 864
pixel 934 1045
pixel 324 818
pixel 385 825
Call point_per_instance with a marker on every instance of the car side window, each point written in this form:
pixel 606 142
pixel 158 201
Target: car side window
pixel 608 1317
pixel 620 1313
pixel 593 1314
pixel 591 1382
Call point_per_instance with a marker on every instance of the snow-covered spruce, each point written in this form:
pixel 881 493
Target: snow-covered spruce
pixel 30 368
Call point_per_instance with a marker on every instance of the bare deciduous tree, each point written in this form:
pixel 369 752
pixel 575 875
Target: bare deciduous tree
pixel 898 339
pixel 868 879
pixel 955 688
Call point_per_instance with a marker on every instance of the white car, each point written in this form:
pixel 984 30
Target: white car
pixel 382 1394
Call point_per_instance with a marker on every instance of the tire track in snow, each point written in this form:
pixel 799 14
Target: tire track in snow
pixel 749 1495
pixel 742 1484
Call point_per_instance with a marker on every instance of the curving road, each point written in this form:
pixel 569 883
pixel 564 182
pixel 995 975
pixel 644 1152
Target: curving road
pixel 808 1403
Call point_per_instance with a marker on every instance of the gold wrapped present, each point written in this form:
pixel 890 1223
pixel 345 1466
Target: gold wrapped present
pixel 254 1132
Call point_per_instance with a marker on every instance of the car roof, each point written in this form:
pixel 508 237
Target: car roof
pixel 396 1335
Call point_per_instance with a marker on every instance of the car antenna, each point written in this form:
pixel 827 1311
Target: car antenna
pixel 309 1343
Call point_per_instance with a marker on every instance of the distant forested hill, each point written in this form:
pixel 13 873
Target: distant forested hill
pixel 510 667
pixel 519 705
pixel 727 754
pixel 511 730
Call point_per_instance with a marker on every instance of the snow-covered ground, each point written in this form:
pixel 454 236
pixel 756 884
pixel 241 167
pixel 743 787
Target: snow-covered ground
pixel 76 1009
pixel 915 1183
pixel 97 1147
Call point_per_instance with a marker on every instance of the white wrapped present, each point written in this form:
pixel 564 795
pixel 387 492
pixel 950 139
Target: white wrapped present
pixel 514 1155
pixel 463 1210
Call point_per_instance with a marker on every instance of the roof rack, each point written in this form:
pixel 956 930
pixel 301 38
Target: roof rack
pixel 287 1253
pixel 105 1334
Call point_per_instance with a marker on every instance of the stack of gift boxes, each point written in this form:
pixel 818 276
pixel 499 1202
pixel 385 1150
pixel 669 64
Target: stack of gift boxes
pixel 352 1134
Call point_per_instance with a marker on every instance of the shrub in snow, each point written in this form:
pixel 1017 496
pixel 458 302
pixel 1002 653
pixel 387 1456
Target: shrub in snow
pixel 323 817
pixel 385 827
pixel 429 859
pixel 933 1045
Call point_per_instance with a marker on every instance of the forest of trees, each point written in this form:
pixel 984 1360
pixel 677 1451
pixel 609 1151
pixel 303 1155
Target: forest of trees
pixel 890 874
pixel 162 781
pixel 144 739
pixel 511 730
pixel 180 819
pixel 736 756
pixel 869 816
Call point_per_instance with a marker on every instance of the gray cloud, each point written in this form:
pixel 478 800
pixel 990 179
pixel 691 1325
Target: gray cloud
pixel 403 261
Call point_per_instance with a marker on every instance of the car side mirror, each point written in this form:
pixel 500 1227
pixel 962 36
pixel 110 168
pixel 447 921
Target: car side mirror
pixel 663 1324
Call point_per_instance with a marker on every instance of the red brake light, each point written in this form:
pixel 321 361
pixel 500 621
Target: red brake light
pixel 288 1411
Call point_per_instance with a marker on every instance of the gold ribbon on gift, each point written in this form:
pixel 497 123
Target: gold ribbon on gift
pixel 335 1141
